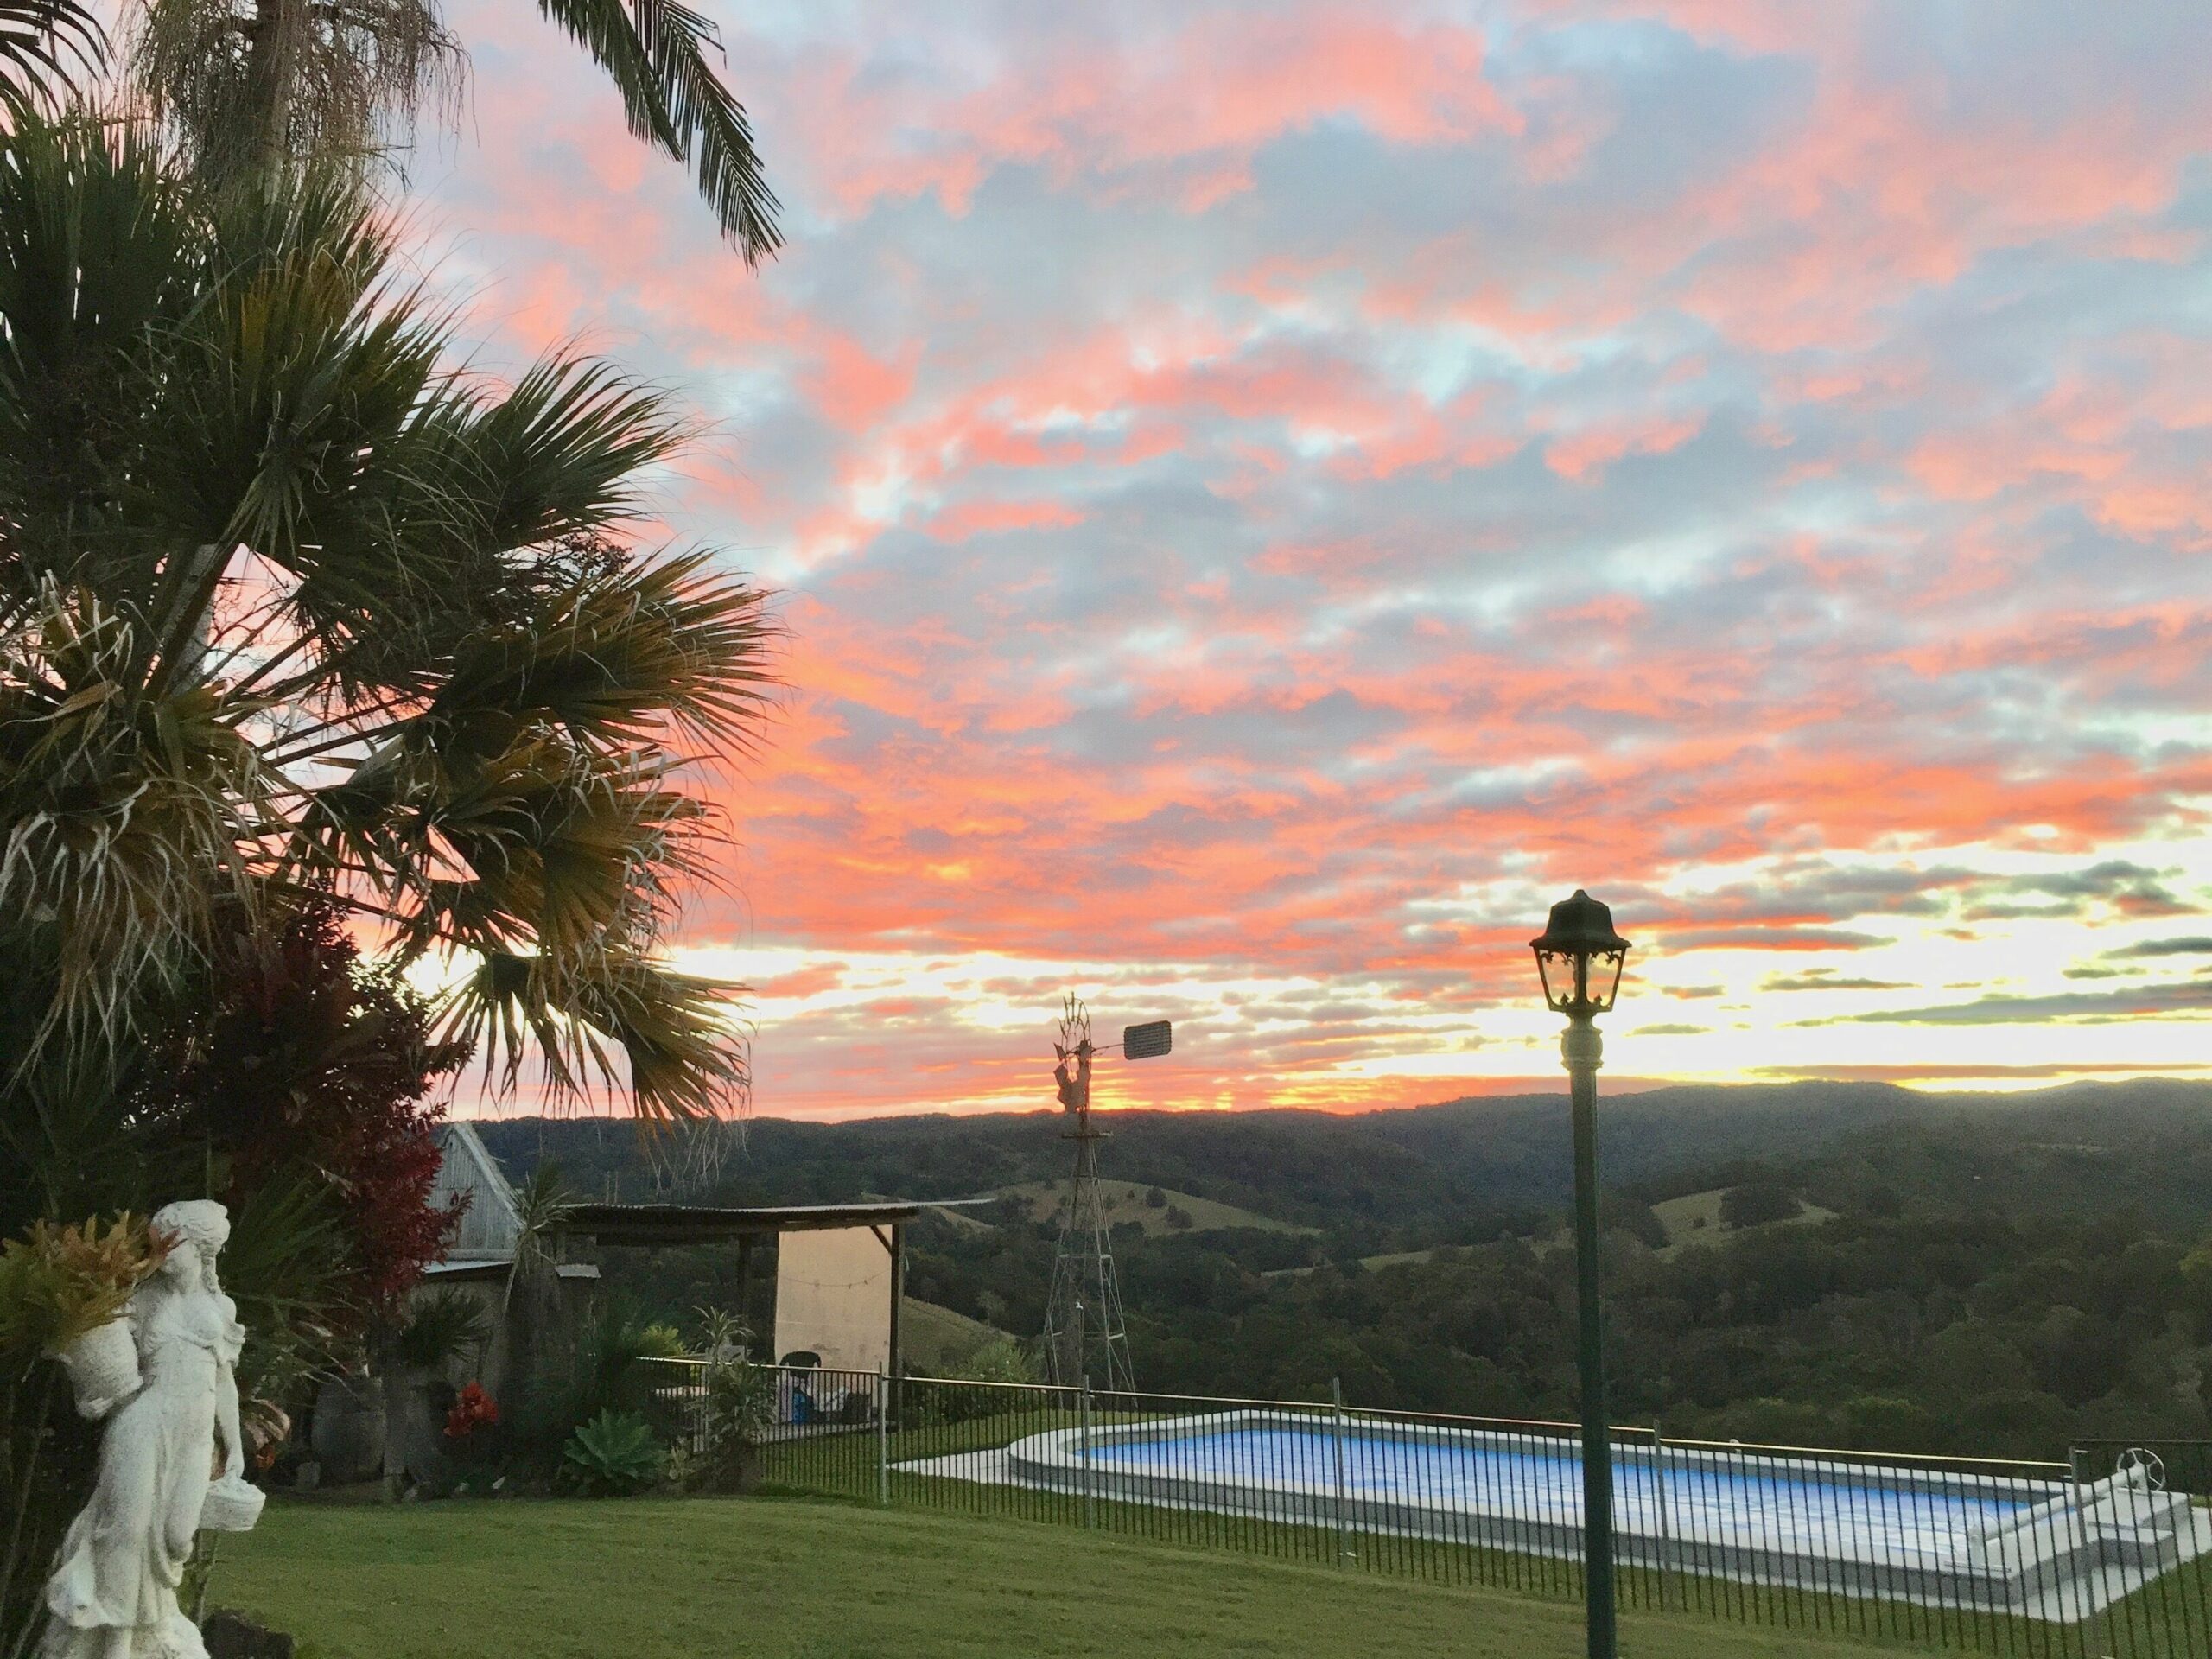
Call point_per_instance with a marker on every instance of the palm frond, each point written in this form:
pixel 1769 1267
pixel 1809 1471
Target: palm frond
pixel 246 85
pixel 123 814
pixel 44 46
pixel 656 51
pixel 618 654
pixel 290 80
pixel 294 600
pixel 542 1201
pixel 564 850
pixel 97 257
pixel 622 1023
pixel 297 382
pixel 540 844
pixel 563 448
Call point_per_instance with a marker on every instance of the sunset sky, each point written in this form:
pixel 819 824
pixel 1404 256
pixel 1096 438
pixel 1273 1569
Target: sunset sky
pixel 1266 497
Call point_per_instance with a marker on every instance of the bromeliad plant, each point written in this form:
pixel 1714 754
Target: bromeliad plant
pixel 61 1283
pixel 291 603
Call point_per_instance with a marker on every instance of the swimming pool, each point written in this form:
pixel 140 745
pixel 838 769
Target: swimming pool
pixel 1542 1481
pixel 1947 1536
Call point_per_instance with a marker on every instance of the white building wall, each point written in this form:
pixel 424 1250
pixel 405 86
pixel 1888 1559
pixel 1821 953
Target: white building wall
pixel 833 1298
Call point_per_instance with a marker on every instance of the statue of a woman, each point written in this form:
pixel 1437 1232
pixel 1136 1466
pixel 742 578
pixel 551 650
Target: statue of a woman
pixel 113 1594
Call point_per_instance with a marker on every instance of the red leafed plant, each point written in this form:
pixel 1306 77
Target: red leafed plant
pixel 305 1060
pixel 473 1410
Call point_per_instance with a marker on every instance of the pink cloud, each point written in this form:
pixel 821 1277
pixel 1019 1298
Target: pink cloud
pixel 1196 103
pixel 1195 447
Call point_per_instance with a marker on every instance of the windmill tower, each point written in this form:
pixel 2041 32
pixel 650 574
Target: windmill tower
pixel 1086 1339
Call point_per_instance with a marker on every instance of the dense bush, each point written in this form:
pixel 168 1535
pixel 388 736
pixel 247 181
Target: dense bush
pixel 294 1058
pixel 1755 1203
pixel 740 1408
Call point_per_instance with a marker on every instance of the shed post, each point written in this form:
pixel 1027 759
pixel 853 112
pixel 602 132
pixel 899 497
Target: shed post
pixel 897 1298
pixel 894 1241
pixel 745 1290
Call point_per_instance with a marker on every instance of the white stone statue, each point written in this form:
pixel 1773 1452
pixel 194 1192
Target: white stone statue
pixel 113 1591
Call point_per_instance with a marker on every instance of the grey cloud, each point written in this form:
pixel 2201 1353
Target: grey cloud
pixel 2084 1006
pixel 1825 979
pixel 1772 938
pixel 2192 945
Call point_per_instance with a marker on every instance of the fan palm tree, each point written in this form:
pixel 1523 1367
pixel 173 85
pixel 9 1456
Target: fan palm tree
pixel 291 603
pixel 44 46
pixel 245 84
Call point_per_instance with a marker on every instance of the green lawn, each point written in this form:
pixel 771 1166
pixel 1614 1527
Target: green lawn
pixel 788 1578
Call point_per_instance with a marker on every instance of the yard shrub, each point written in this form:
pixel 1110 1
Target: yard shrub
pixel 616 1454
pixel 741 1409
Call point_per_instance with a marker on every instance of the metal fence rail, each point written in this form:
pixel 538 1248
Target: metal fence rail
pixel 2109 1555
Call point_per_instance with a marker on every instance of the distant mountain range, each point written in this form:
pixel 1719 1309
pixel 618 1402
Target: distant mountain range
pixel 1440 1170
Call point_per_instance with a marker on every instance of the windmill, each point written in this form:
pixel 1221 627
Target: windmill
pixel 1086 1340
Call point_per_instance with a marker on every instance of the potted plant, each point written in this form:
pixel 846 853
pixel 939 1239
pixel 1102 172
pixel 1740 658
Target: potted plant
pixel 740 1408
pixel 445 1333
pixel 64 1288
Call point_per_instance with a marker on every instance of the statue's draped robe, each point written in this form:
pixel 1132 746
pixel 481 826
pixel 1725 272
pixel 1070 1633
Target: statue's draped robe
pixel 125 1554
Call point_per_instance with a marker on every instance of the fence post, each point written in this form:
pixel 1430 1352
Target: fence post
pixel 1666 1526
pixel 882 1437
pixel 1344 1536
pixel 2077 1459
pixel 1083 1429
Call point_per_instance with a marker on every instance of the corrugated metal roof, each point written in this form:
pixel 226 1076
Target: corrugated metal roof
pixel 491 1223
pixel 686 1223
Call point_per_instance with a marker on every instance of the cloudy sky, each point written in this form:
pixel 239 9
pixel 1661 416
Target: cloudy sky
pixel 1267 497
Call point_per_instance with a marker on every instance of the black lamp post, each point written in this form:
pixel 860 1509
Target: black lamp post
pixel 1579 960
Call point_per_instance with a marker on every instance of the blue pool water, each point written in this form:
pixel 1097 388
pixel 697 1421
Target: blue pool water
pixel 1765 1502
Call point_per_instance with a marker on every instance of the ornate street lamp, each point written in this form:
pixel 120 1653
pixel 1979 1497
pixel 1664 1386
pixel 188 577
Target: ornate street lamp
pixel 1579 959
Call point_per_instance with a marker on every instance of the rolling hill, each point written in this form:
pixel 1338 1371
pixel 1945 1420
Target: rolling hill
pixel 1449 1169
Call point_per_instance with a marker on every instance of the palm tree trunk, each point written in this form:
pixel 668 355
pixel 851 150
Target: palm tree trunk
pixel 275 32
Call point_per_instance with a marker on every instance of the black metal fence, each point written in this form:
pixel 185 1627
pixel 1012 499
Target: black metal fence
pixel 2110 1554
pixel 2153 1484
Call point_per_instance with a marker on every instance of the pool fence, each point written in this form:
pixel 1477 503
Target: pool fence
pixel 2106 1555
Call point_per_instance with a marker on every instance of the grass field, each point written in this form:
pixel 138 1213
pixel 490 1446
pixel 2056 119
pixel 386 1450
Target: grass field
pixel 760 1579
pixel 1693 1220
pixel 1125 1201
pixel 936 1339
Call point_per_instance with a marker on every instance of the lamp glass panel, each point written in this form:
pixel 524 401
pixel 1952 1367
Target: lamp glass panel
pixel 1555 996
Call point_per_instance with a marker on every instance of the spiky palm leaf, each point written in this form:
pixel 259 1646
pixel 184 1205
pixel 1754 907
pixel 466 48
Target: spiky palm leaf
pixel 543 1203
pixel 656 53
pixel 249 83
pixel 288 601
pixel 126 813
pixel 46 46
